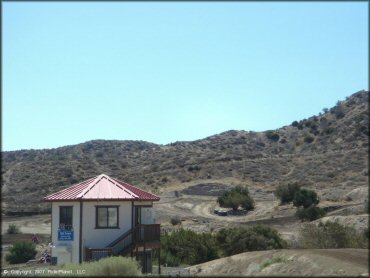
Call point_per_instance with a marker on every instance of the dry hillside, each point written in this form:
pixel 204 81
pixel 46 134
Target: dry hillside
pixel 328 151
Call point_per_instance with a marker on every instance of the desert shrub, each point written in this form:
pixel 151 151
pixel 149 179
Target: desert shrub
pixel 308 139
pixel 175 220
pixel 305 198
pixel 272 135
pixel 187 247
pixel 111 266
pixel 307 123
pixel 150 181
pixel 13 229
pixel 249 238
pixel 331 235
pixel 311 213
pixel 295 123
pixel 164 179
pixel 21 252
pixel 194 168
pixel 285 192
pixel 273 260
pixel 238 196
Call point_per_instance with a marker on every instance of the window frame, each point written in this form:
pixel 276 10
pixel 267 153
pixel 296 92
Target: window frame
pixel 60 217
pixel 96 217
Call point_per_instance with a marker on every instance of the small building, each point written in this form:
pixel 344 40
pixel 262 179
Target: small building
pixel 100 217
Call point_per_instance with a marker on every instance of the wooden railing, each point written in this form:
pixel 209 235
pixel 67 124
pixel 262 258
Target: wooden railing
pixel 146 233
pixel 95 254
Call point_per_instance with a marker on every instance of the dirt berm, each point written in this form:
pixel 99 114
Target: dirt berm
pixel 294 262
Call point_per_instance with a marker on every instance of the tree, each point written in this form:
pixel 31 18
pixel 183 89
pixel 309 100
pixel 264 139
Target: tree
pixel 238 196
pixel 305 198
pixel 247 203
pixel 286 192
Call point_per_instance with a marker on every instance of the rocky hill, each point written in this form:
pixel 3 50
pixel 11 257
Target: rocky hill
pixel 328 151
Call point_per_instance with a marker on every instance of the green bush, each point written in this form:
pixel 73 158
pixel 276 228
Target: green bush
pixel 272 135
pixel 305 198
pixel 111 266
pixel 21 252
pixel 187 247
pixel 238 196
pixel 286 192
pixel 311 213
pixel 332 235
pixel 13 229
pixel 249 238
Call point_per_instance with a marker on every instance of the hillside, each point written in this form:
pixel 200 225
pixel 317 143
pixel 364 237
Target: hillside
pixel 328 151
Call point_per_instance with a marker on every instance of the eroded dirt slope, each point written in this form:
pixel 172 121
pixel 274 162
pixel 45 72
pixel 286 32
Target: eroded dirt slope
pixel 306 262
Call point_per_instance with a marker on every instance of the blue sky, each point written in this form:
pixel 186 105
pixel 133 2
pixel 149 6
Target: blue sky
pixel 165 72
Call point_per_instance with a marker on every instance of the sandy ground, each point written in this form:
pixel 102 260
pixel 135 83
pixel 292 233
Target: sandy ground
pixel 306 262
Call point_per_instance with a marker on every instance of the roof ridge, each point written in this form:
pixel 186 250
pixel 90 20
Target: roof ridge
pixel 68 188
pixel 83 193
pixel 116 183
pixel 120 182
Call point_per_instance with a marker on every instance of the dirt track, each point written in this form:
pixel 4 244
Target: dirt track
pixel 39 224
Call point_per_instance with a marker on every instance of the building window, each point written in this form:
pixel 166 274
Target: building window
pixel 107 217
pixel 65 217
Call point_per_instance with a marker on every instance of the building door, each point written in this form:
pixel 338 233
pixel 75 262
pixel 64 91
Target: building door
pixel 137 215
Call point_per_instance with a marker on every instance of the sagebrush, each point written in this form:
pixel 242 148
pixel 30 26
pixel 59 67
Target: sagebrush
pixel 111 266
pixel 13 229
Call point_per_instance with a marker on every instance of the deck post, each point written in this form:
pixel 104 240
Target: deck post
pixel 159 261
pixel 144 260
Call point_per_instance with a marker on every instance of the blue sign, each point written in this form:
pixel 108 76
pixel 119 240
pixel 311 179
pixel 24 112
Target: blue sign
pixel 65 235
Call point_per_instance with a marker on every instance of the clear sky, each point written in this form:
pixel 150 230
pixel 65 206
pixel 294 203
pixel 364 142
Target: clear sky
pixel 165 72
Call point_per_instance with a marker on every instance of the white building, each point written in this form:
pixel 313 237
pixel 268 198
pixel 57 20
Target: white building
pixel 100 217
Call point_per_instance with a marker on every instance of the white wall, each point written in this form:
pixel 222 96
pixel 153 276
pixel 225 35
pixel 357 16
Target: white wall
pixel 66 251
pixel 100 238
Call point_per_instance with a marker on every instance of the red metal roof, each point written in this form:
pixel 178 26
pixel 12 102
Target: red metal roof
pixel 102 187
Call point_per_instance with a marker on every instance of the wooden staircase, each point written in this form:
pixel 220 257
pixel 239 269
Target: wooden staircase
pixel 141 237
